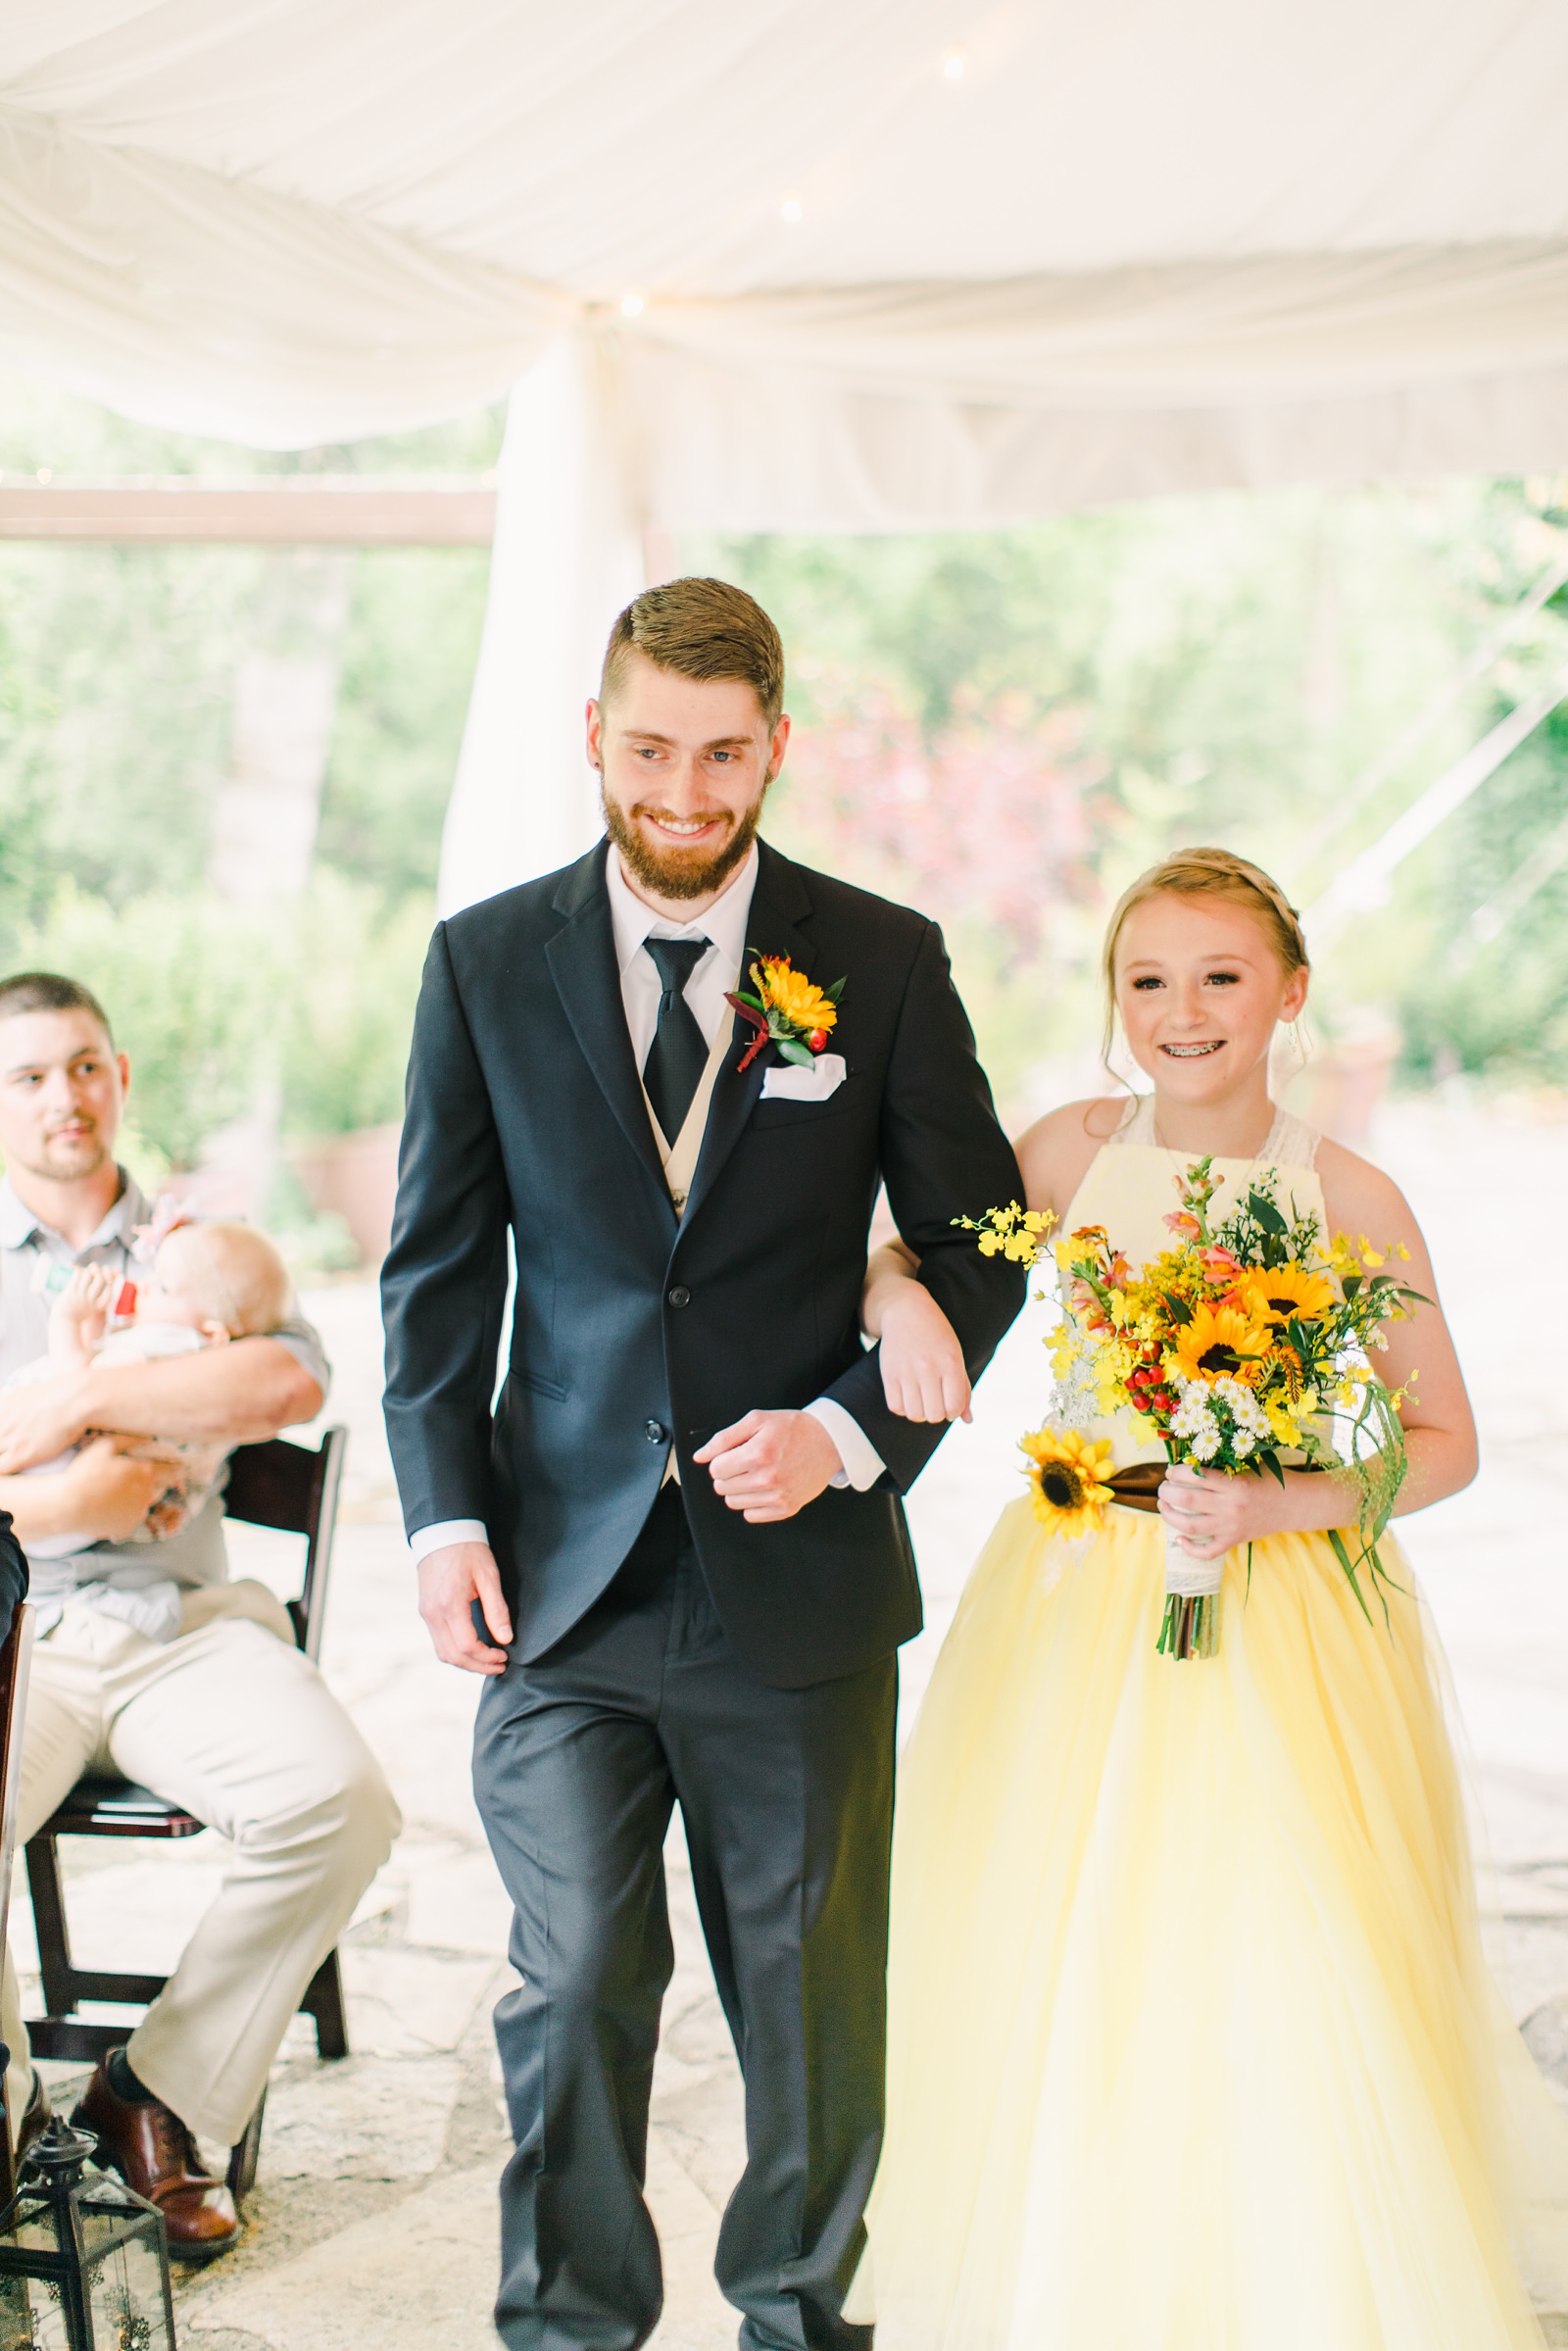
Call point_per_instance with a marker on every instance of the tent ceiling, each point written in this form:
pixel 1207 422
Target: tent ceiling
pixel 608 145
pixel 1292 240
pixel 777 264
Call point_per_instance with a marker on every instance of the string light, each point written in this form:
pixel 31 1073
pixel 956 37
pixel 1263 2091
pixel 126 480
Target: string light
pixel 953 65
pixel 792 210
pixel 631 305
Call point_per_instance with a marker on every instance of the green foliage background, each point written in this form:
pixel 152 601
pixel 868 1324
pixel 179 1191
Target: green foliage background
pixel 1225 668
pixel 116 681
pixel 1237 663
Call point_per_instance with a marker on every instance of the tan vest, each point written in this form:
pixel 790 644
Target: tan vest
pixel 679 1160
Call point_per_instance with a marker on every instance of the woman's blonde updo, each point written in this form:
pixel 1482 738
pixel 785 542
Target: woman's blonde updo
pixel 1208 873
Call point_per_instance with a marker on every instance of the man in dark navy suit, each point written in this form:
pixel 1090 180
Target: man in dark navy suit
pixel 676 1551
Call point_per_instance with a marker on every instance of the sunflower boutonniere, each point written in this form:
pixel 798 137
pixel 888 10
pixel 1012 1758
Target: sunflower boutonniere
pixel 788 1011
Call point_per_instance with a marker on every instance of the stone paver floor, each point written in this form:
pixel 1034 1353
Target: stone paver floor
pixel 373 2218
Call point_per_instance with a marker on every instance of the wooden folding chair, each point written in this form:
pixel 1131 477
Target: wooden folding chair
pixel 16 1653
pixel 272 1485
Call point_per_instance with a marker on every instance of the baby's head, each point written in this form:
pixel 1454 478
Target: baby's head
pixel 1204 956
pixel 224 1280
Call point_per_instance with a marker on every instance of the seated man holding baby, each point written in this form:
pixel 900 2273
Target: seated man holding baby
pixel 118 1409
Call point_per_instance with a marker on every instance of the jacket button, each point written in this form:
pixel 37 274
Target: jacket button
pixel 656 1432
pixel 680 1296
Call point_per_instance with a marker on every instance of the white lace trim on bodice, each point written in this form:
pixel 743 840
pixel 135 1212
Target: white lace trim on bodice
pixel 1289 1142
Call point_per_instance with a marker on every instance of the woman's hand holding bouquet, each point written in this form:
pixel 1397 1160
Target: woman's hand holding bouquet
pixel 1245 1340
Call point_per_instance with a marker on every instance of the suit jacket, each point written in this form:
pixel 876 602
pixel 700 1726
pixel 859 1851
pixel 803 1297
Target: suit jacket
pixel 631 1327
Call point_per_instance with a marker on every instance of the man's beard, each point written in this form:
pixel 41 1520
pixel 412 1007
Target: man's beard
pixel 60 1162
pixel 680 873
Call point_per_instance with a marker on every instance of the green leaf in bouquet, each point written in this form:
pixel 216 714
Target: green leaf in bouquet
pixel 1337 1541
pixel 1266 1212
pixel 1180 1310
pixel 1269 1459
pixel 835 991
pixel 797 1054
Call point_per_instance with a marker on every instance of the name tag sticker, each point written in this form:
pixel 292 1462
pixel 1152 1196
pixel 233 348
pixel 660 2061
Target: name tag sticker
pixel 790 1084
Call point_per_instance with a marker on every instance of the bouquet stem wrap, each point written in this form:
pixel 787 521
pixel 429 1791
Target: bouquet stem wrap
pixel 1190 1626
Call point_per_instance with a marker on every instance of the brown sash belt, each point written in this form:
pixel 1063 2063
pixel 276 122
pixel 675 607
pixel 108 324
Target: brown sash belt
pixel 1136 1487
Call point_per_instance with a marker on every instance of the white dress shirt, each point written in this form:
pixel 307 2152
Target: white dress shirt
pixel 723 925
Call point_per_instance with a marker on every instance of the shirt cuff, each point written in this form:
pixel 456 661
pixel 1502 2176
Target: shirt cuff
pixel 445 1531
pixel 862 1463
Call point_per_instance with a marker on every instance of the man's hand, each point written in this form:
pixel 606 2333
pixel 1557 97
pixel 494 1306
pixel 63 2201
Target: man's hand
pixel 223 1396
pixel 772 1464
pixel 451 1580
pixel 42 1420
pixel 105 1493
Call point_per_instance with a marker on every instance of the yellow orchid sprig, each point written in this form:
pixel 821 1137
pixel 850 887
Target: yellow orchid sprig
pixel 1013 1232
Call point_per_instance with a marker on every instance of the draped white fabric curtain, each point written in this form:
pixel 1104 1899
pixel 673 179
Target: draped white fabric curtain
pixel 568 556
pixel 803 264
pixel 1250 241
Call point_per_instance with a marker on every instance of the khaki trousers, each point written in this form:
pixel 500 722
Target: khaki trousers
pixel 231 1722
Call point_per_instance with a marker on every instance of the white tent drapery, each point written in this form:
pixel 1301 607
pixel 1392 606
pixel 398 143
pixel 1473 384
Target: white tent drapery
pixel 795 264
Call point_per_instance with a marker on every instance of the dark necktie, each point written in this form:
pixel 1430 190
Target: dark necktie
pixel 678 1055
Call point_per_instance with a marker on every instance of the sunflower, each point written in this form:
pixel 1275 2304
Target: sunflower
pixel 1220 1342
pixel 1065 1475
pixel 1285 1294
pixel 789 993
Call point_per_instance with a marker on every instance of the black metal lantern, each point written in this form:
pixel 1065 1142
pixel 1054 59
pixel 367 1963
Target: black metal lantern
pixel 84 2263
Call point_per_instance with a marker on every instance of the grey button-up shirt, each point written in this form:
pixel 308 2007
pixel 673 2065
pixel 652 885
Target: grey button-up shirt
pixel 196 1554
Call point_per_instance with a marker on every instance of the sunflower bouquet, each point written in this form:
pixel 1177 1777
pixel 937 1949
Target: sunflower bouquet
pixel 1247 1338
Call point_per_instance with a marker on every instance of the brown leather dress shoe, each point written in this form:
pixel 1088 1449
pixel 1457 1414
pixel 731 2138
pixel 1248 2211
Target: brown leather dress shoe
pixel 153 2153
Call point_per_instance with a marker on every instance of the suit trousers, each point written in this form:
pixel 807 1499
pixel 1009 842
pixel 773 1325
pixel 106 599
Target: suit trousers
pixel 787 1802
pixel 230 1721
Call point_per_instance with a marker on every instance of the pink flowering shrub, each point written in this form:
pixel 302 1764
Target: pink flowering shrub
pixel 995 820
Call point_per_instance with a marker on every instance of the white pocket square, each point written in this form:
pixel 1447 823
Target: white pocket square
pixel 792 1084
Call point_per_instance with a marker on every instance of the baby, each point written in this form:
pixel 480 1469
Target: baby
pixel 208 1283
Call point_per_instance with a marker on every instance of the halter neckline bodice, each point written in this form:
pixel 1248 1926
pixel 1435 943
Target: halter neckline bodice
pixel 1289 1142
pixel 1133 1183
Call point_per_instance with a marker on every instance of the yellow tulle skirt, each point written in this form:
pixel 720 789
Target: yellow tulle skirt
pixel 1192 2042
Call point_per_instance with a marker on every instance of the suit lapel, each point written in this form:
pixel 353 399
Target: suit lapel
pixel 779 902
pixel 582 964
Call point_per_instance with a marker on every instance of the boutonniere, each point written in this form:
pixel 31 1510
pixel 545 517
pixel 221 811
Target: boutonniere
pixel 788 1011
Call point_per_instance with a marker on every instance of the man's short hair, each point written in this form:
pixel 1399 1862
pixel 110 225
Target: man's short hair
pixel 703 629
pixel 49 991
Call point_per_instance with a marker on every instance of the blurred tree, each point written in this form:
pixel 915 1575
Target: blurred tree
pixel 118 675
pixel 413 634
pixel 192 992
pixel 359 959
pixel 1001 727
pixel 1226 667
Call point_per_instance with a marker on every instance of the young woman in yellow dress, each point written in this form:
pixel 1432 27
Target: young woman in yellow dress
pixel 1191 2043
